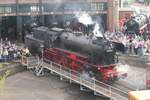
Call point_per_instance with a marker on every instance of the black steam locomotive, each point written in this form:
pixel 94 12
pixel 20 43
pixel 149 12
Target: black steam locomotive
pixel 96 48
pixel 77 51
pixel 137 25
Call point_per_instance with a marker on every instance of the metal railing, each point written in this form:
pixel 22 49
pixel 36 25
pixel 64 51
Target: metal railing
pixel 30 62
pixel 93 84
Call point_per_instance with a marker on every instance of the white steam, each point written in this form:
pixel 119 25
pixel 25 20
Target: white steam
pixel 96 31
pixel 86 19
pixel 123 68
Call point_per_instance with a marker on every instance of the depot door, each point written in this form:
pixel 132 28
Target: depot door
pixel 8 28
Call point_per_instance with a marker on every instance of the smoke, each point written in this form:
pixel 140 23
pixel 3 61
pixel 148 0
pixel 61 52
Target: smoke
pixel 123 68
pixel 86 19
pixel 137 10
pixel 82 17
pixel 97 31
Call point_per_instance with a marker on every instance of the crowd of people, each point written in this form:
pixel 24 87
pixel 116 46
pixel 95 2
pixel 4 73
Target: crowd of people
pixel 10 51
pixel 132 43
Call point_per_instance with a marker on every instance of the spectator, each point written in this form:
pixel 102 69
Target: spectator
pixel 5 54
pixel 27 52
pixel 132 43
pixel 136 47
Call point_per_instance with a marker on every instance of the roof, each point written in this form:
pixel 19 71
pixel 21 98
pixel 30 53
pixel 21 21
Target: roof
pixel 140 95
pixel 141 5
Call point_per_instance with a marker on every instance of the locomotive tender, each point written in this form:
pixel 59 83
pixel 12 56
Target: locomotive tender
pixel 86 54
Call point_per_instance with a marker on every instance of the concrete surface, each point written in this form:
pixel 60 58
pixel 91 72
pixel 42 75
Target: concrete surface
pixel 26 86
pixel 136 79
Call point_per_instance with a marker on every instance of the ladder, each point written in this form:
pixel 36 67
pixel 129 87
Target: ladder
pixel 74 76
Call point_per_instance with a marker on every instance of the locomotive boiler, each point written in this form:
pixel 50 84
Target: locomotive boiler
pixel 137 25
pixel 99 50
pixel 85 54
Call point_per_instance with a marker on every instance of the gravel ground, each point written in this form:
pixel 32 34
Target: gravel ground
pixel 26 86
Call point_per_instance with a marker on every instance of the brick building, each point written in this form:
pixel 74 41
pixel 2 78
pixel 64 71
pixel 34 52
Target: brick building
pixel 15 13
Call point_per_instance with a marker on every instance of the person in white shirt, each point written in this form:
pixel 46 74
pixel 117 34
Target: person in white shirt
pixel 136 47
pixel 5 54
pixel 148 46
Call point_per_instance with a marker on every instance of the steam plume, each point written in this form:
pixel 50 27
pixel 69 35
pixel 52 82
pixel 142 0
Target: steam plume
pixel 86 19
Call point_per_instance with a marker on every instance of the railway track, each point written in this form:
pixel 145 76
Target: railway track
pixel 122 86
pixel 135 61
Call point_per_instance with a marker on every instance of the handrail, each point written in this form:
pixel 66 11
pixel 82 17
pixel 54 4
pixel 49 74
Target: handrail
pixel 27 60
pixel 91 83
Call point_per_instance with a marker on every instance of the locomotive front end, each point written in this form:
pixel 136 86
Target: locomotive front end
pixel 110 70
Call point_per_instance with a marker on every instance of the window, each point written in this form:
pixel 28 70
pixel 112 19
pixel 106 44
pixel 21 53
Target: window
pixel 26 8
pixel 66 6
pixel 49 7
pixel 2 10
pixel 99 6
pixel 72 6
pixel 34 8
pixel 7 9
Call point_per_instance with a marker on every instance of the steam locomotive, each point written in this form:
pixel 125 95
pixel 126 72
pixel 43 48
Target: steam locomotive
pixel 86 54
pixel 137 25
